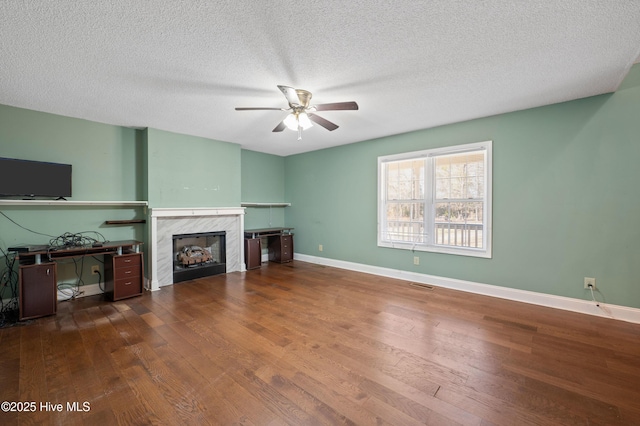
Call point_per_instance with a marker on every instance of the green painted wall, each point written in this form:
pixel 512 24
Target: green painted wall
pixel 565 195
pixel 112 163
pixel 262 182
pixel 105 158
pixel 106 164
pixel 189 171
pixel 565 198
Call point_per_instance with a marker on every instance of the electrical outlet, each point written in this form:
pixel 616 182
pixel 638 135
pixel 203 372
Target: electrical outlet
pixel 320 247
pixel 416 260
pixel 95 269
pixel 589 282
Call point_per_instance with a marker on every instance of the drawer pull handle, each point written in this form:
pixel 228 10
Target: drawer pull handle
pixel 127 260
pixel 127 272
pixel 129 283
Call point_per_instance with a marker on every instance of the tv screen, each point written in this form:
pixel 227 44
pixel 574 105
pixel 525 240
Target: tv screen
pixel 34 178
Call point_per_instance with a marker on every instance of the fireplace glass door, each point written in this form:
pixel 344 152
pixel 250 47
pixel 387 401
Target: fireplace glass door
pixel 198 255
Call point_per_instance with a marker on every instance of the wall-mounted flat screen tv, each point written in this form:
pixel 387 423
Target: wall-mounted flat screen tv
pixel 24 178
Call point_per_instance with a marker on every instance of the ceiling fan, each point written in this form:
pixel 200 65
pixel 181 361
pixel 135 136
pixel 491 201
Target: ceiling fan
pixel 301 112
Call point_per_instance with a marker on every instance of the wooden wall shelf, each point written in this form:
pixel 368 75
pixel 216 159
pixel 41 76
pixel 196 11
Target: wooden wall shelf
pixel 124 222
pixel 265 204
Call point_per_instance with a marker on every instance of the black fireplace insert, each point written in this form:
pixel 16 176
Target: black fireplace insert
pixel 198 255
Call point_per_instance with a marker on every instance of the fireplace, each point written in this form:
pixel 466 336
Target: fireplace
pixel 167 222
pixel 198 255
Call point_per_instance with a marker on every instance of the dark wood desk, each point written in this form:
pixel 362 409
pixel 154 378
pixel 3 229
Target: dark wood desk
pixel 51 254
pixel 38 289
pixel 279 242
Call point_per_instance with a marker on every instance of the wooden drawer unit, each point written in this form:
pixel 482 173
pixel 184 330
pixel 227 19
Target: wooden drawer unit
pixel 124 275
pixel 281 248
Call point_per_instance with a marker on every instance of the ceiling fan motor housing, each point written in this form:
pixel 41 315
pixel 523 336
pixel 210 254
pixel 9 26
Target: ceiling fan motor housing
pixel 304 96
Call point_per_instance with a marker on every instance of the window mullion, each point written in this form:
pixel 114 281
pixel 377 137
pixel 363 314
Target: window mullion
pixel 429 206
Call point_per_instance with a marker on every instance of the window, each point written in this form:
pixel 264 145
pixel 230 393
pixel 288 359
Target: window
pixel 437 200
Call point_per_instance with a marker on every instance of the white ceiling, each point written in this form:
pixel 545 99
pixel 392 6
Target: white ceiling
pixel 183 66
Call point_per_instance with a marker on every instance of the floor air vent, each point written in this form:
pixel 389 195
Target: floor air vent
pixel 422 286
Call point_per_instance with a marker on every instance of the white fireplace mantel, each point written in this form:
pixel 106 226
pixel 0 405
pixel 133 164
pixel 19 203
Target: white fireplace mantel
pixel 165 222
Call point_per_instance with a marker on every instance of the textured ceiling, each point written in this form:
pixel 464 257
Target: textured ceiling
pixel 183 66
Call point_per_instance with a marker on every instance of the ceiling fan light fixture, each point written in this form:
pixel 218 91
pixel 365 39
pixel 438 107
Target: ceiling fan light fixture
pixel 301 112
pixel 293 121
pixel 303 121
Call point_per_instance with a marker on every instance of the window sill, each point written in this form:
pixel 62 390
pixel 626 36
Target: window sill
pixel 469 252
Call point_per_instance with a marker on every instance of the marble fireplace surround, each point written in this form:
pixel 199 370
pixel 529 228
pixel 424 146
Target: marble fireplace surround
pixel 166 222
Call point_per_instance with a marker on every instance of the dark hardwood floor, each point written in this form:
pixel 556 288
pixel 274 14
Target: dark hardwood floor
pixel 305 344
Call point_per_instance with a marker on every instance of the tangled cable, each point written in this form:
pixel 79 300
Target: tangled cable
pixel 78 239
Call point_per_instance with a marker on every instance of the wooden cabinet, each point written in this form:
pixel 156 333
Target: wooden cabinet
pixel 281 248
pixel 279 242
pixel 38 287
pixel 38 290
pixel 252 253
pixel 123 275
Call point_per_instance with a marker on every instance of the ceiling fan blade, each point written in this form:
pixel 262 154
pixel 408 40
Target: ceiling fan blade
pixel 259 109
pixel 336 106
pixel 323 122
pixel 291 95
pixel 280 127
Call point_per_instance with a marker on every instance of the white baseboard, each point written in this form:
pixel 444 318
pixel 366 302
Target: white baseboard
pixel 605 310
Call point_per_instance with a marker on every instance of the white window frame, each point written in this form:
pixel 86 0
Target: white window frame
pixel 429 244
